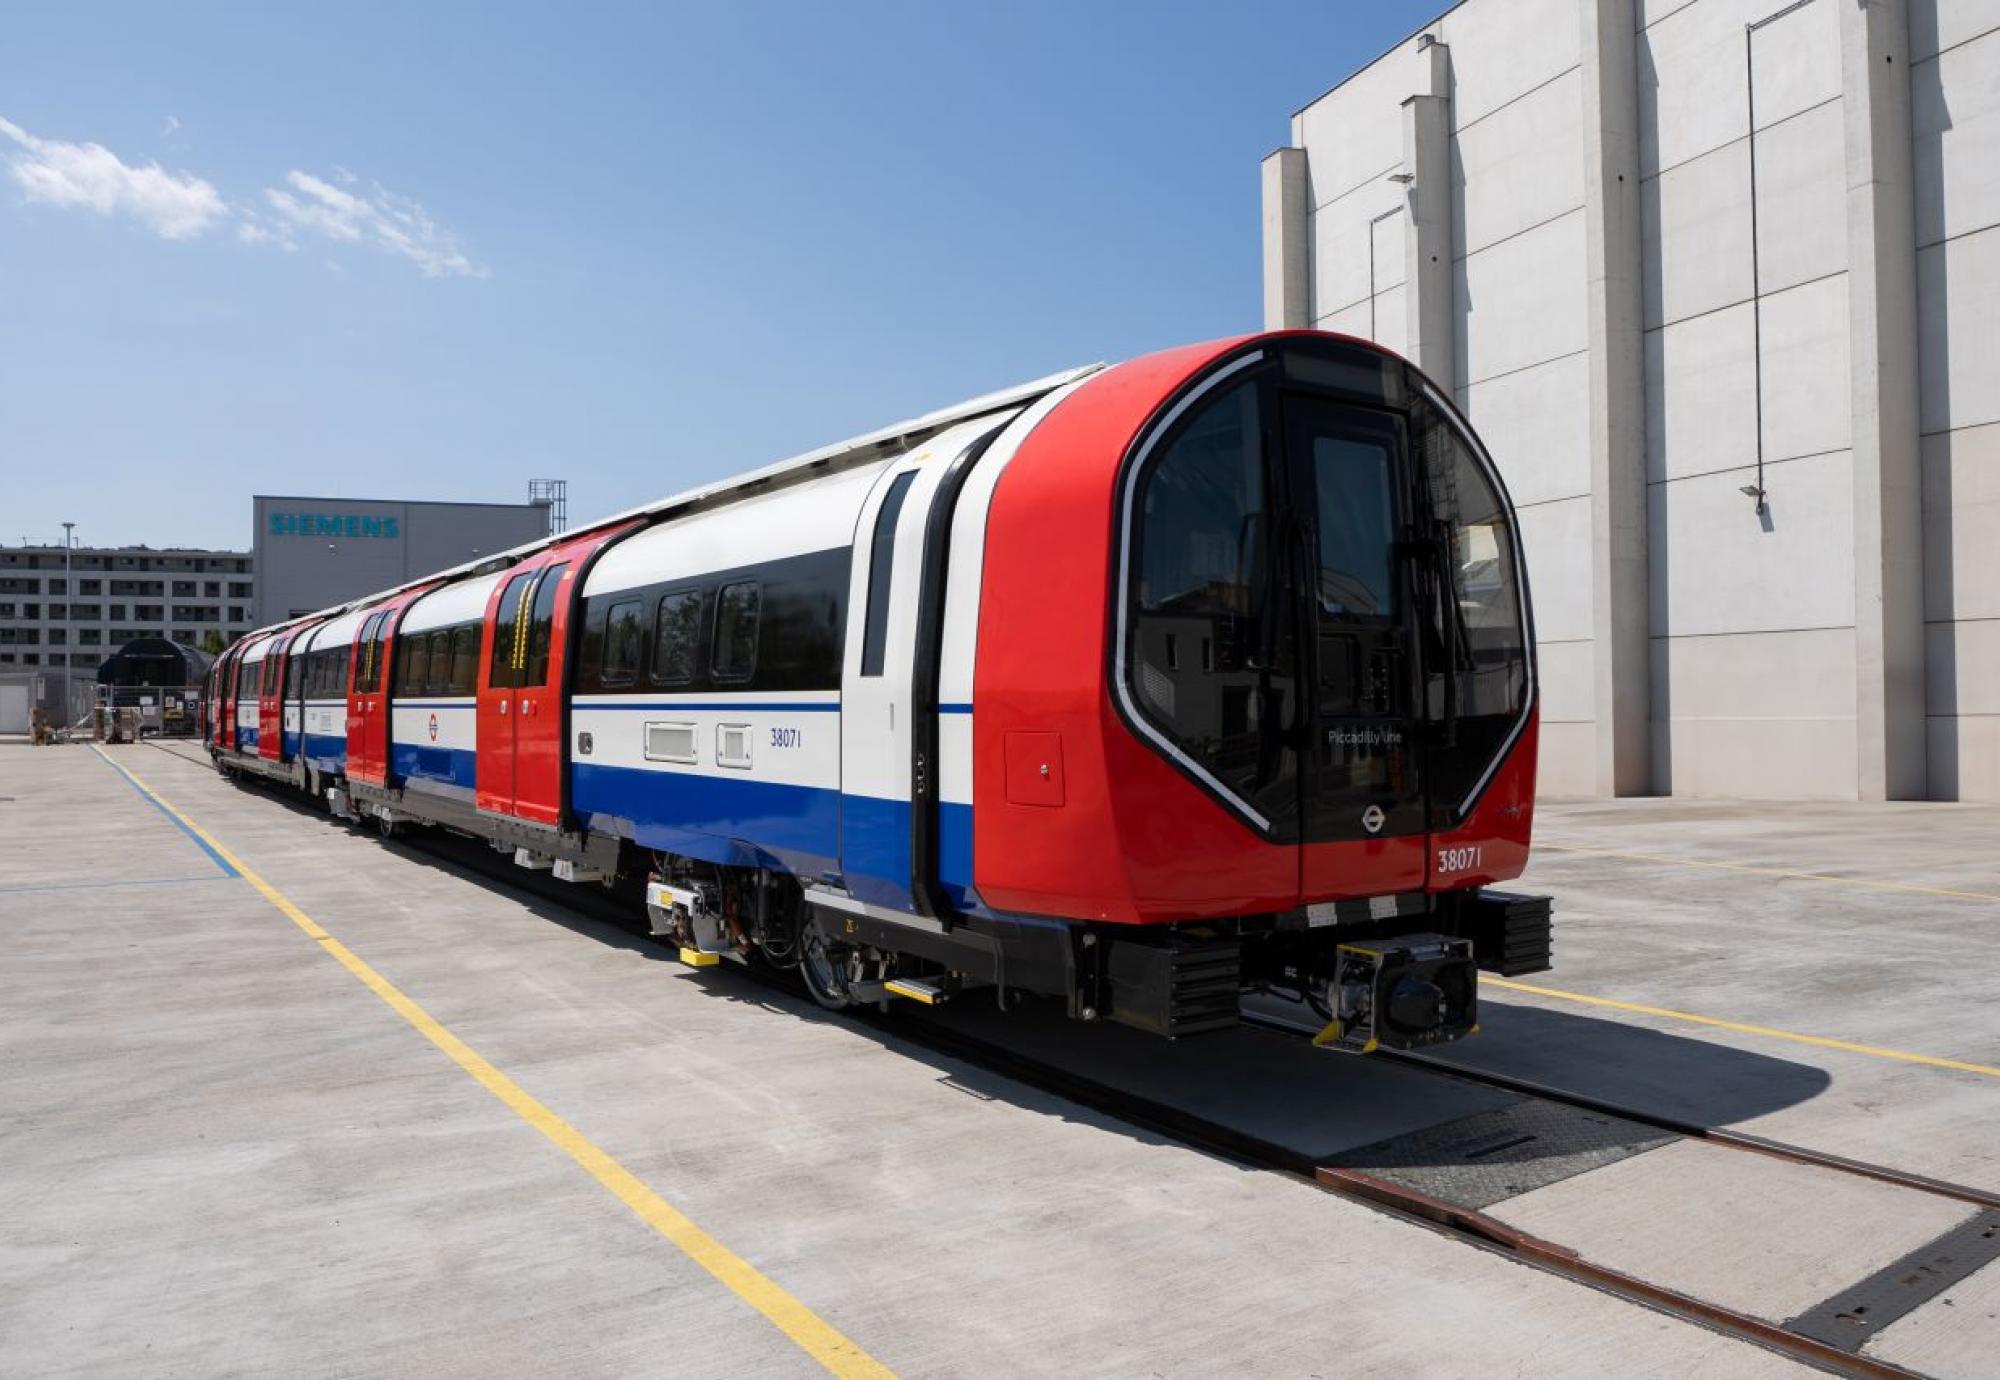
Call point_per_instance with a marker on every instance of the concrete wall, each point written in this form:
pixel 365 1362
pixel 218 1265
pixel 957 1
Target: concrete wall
pixel 1631 360
pixel 313 552
pixel 1955 139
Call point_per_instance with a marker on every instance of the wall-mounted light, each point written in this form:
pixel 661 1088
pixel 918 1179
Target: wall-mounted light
pixel 1404 178
pixel 1425 41
pixel 1755 491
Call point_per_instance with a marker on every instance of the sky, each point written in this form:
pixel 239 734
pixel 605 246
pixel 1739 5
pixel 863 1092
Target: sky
pixel 434 251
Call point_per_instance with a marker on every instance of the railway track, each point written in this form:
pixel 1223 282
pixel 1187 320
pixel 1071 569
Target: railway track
pixel 1470 1225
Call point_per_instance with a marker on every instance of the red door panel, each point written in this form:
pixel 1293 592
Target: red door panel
pixel 504 652
pixel 271 699
pixel 368 697
pixel 524 672
pixel 538 745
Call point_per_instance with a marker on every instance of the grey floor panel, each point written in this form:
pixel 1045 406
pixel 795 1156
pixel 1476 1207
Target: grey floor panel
pixel 1492 1156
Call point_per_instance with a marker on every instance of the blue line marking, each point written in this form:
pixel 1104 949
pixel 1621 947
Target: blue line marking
pixel 145 795
pixel 955 708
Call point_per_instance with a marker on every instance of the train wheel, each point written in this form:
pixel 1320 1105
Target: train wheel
pixel 824 967
pixel 387 827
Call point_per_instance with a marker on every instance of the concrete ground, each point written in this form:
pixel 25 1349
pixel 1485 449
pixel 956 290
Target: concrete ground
pixel 220 1153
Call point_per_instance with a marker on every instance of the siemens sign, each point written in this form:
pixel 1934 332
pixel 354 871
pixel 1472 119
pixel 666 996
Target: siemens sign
pixel 332 525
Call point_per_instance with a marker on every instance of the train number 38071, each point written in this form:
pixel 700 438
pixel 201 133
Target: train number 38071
pixel 1457 859
pixel 784 737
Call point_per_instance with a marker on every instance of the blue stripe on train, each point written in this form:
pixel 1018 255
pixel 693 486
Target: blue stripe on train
pixel 449 766
pixel 327 751
pixel 289 747
pixel 750 823
pixel 246 739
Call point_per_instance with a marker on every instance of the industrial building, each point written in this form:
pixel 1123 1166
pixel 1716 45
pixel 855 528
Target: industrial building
pixel 314 552
pixel 1717 281
pixel 182 594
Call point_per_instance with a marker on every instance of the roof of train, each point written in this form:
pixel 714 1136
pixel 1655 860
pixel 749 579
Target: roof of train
pixel 870 445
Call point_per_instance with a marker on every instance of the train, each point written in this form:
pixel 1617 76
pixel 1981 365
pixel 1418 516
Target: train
pixel 1149 689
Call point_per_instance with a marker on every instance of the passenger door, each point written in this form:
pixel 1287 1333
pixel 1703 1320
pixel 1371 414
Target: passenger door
pixel 368 701
pixel 538 719
pixel 502 665
pixel 1363 783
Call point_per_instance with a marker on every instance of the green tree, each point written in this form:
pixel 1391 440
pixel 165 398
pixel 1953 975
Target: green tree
pixel 211 642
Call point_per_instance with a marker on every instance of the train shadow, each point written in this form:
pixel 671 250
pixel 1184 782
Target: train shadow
pixel 1258 1086
pixel 1274 1090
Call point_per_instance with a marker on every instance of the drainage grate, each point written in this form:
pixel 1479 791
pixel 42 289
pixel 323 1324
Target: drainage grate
pixel 1857 1313
pixel 1489 1157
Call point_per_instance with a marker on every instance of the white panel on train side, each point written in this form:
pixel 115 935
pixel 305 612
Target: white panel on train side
pixel 464 602
pixel 794 736
pixel 961 604
pixel 338 632
pixel 815 516
pixel 875 710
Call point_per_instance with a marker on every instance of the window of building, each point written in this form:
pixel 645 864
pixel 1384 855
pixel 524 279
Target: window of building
pixel 676 637
pixel 56 611
pixel 90 586
pixel 89 637
pixel 58 586
pixel 211 589
pixel 184 589
pixel 239 589
pixel 117 612
pixel 736 610
pixel 624 641
pixel 7 611
pixel 184 635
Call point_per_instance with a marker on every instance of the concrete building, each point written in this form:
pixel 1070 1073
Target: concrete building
pixel 120 593
pixel 312 552
pixel 1717 280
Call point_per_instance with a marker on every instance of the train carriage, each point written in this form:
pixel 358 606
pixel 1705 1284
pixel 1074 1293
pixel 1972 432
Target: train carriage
pixel 1140 687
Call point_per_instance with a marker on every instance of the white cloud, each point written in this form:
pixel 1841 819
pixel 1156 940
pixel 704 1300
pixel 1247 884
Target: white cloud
pixel 175 206
pixel 179 206
pixel 395 224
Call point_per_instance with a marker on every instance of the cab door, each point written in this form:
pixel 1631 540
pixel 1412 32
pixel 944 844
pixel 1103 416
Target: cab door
pixel 1363 807
pixel 502 666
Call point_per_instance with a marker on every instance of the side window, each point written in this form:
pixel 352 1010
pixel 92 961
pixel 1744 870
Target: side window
pixel 736 610
pixel 541 626
pixel 465 659
pixel 881 566
pixel 413 664
pixel 295 669
pixel 676 636
pixel 509 627
pixel 437 679
pixel 624 642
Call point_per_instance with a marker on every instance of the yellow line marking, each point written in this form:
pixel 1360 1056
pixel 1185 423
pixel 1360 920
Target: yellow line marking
pixel 1867 882
pixel 1903 1056
pixel 813 1334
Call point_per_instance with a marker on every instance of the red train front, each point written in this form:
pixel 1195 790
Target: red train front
pixel 1304 707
